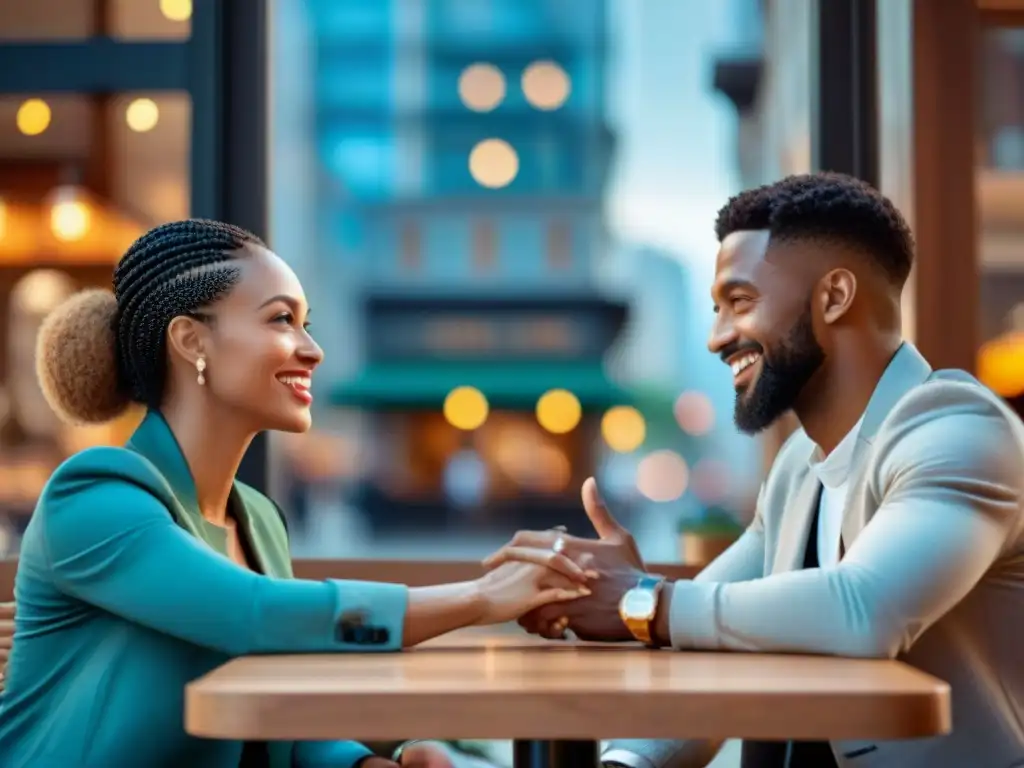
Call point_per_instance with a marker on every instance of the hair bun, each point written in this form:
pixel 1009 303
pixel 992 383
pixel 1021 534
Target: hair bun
pixel 76 359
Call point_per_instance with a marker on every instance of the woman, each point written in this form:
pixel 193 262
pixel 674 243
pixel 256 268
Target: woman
pixel 145 567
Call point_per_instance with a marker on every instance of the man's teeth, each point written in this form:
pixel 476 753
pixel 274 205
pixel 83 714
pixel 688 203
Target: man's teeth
pixel 299 381
pixel 738 366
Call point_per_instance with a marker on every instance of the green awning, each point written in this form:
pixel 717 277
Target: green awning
pixel 506 384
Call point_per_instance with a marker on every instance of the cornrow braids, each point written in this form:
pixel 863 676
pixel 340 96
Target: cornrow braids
pixel 174 269
pixel 99 351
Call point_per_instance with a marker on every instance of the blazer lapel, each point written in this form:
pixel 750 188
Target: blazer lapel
pixel 271 552
pixel 906 370
pixel 796 522
pixel 155 441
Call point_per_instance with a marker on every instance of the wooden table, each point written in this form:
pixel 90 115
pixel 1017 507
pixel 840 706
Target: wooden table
pixel 486 686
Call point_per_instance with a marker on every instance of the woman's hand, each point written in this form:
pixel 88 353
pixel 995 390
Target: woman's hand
pixel 528 580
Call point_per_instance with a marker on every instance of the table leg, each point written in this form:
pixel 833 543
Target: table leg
pixel 555 754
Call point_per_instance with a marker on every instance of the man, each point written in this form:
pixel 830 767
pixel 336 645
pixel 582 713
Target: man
pixel 890 524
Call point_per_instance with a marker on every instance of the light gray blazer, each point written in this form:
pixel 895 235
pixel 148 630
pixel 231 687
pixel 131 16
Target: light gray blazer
pixel 933 572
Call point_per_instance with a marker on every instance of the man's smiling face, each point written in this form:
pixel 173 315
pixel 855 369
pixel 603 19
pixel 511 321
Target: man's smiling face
pixel 763 328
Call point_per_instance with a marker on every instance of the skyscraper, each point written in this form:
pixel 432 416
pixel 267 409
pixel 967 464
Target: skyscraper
pixel 465 154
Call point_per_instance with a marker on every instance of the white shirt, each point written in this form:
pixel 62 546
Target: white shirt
pixel 834 473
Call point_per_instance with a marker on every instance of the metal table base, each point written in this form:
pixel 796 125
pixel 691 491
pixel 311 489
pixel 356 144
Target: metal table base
pixel 555 754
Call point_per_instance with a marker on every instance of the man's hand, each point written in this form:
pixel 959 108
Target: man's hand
pixel 615 560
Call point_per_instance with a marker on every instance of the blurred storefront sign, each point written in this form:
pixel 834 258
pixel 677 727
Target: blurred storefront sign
pixel 473 401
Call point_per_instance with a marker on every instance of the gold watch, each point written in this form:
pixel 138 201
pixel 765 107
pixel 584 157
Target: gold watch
pixel 638 607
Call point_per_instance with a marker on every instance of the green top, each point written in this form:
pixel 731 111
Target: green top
pixel 125 595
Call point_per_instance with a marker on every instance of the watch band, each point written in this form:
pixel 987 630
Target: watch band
pixel 641 627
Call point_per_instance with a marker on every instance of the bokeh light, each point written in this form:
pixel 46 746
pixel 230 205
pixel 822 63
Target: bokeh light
pixel 33 117
pixel 662 476
pixel 709 480
pixel 559 411
pixel 70 216
pixel 623 428
pixel 546 85
pixel 466 408
pixel 493 163
pixel 142 115
pixel 694 413
pixel 176 10
pixel 1001 364
pixel 482 87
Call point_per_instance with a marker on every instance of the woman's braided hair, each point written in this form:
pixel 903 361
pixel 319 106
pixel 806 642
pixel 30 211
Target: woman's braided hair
pixel 100 351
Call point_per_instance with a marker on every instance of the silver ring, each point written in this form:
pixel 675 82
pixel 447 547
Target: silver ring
pixel 559 545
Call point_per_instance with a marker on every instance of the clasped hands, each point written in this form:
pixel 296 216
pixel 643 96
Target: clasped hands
pixel 612 563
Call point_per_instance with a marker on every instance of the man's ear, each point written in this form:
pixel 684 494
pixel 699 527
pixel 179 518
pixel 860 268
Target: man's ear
pixel 186 339
pixel 836 291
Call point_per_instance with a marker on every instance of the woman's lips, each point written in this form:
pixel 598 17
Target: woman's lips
pixel 298 385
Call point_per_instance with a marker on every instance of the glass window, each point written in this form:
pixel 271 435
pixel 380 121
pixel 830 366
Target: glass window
pixel 485 246
pixel 1000 186
pixel 349 82
pixel 411 248
pixel 1002 99
pixel 81 177
pixel 578 149
pixel 362 162
pixel 559 245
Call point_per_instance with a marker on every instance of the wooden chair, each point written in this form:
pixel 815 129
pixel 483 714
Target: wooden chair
pixel 6 637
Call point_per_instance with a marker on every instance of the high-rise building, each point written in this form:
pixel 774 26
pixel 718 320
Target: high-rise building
pixel 465 152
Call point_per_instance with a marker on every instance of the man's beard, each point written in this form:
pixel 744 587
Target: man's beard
pixel 782 378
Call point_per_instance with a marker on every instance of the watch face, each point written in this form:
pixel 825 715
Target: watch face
pixel 638 604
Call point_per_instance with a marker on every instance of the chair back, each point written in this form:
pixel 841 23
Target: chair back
pixel 6 638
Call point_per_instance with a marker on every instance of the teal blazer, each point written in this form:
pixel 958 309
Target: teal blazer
pixel 125 594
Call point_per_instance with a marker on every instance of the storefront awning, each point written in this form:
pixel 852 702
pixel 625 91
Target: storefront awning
pixel 510 385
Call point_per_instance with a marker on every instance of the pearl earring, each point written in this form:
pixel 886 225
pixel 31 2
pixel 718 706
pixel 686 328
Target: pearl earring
pixel 200 367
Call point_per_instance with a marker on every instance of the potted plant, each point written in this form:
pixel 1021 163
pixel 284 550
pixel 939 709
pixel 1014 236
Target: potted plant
pixel 704 537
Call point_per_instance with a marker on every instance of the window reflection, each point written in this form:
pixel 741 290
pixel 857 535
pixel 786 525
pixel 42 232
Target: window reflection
pixel 76 188
pixel 541 147
pixel 1002 93
pixel 1001 207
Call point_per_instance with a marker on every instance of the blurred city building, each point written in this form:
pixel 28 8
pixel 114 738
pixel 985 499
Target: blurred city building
pixel 501 211
pixel 464 153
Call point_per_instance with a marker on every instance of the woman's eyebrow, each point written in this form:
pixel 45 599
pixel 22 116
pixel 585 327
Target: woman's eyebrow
pixel 291 301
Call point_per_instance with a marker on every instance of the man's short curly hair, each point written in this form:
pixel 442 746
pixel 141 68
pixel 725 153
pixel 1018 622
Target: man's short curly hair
pixel 829 207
